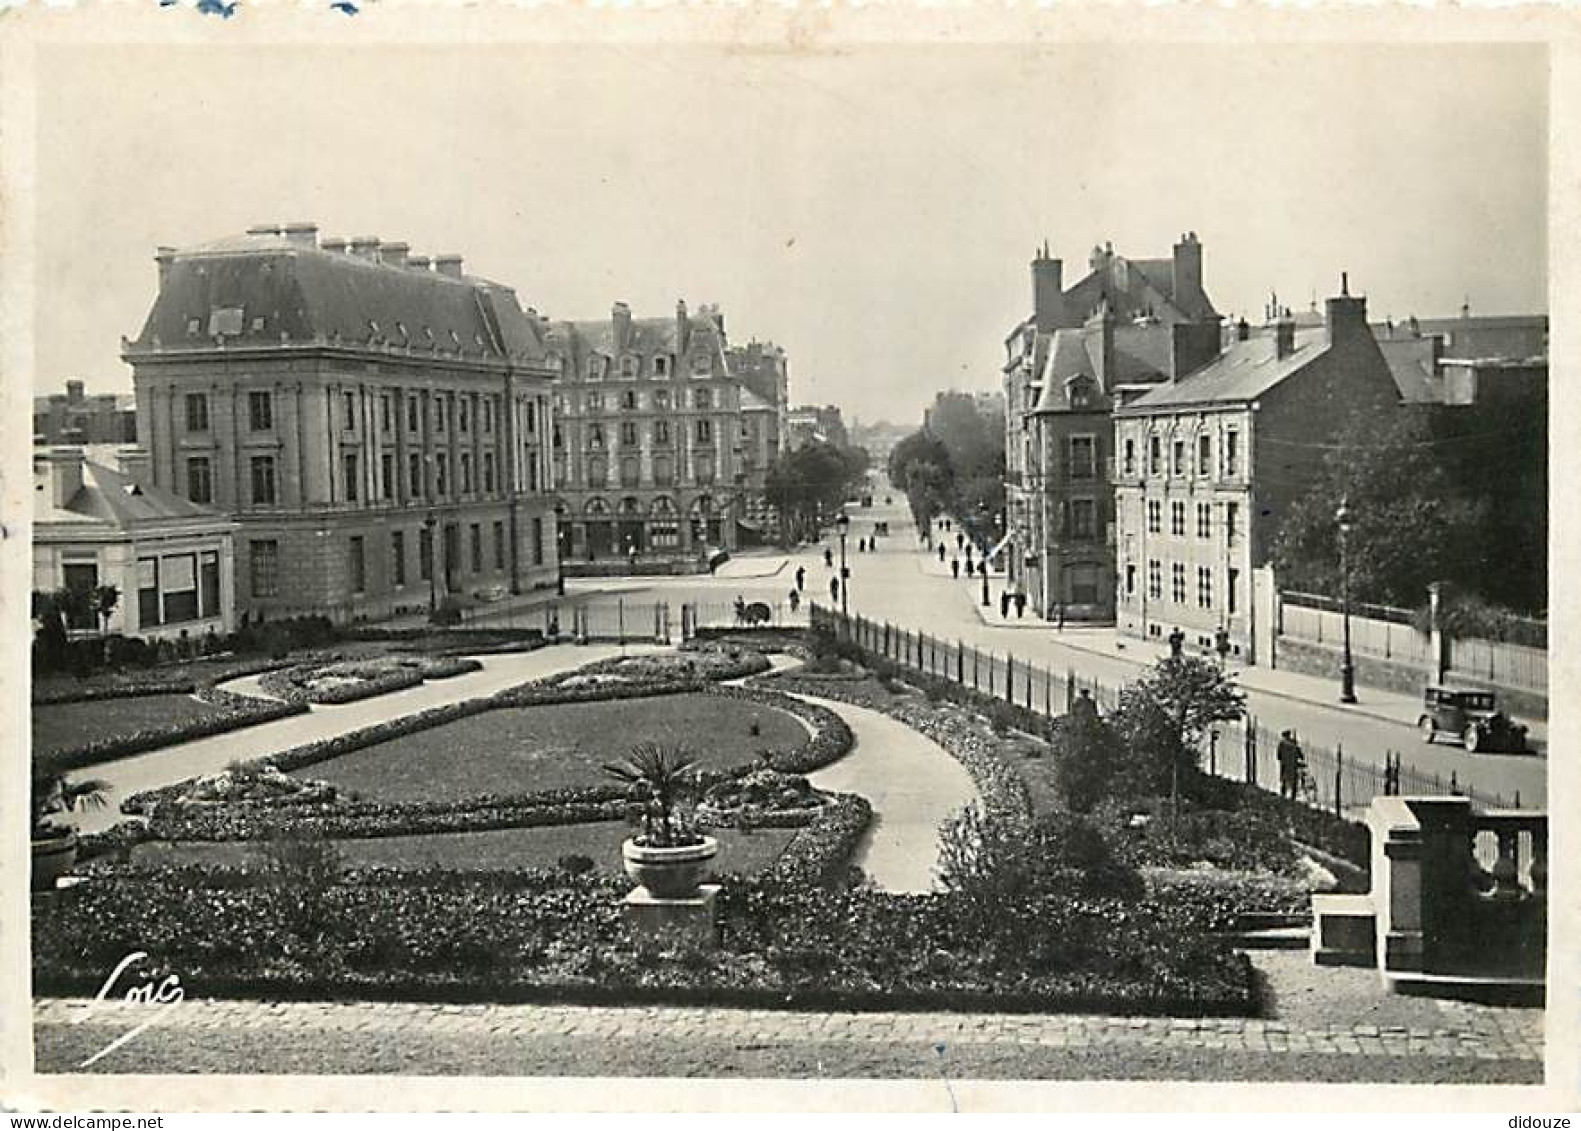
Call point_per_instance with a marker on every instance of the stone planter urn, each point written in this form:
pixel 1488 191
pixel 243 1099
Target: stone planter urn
pixel 54 853
pixel 669 873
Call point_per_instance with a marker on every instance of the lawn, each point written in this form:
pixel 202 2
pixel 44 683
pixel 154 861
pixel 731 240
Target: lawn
pixel 515 750
pixel 494 849
pixel 68 726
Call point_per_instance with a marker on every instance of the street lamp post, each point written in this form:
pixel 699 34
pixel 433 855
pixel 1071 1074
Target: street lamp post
pixel 843 524
pixel 430 523
pixel 1347 670
pixel 560 544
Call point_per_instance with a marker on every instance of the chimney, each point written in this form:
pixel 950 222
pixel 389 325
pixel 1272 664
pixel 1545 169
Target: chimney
pixel 1101 325
pixel 135 463
pixel 164 257
pixel 1192 345
pixel 394 254
pixel 1284 336
pixel 418 262
pixel 62 468
pixel 74 392
pixel 1187 270
pixel 1048 292
pixel 1346 315
pixel 620 317
pixel 365 247
pixel 336 245
pixel 264 230
pixel 683 326
pixel 448 265
pixel 303 234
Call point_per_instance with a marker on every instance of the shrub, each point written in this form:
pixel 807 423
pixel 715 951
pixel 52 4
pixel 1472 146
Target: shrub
pixel 1091 757
pixel 575 864
pixel 299 871
pixel 998 864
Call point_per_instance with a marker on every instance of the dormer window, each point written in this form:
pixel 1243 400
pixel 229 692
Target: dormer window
pixel 702 365
pixel 628 365
pixel 595 369
pixel 258 325
pixel 194 325
pixel 1079 393
pixel 225 321
pixel 661 366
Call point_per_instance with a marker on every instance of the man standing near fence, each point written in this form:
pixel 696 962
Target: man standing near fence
pixel 1290 765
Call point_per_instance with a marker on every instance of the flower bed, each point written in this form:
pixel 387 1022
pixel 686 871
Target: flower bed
pixel 346 681
pixel 541 936
pixel 711 664
pixel 1145 834
pixel 182 678
pixel 456 641
pixel 1218 901
pixel 760 798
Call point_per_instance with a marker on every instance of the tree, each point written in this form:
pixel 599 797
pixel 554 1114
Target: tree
pixel 102 600
pixel 808 484
pixel 1410 525
pixel 1166 715
pixel 920 466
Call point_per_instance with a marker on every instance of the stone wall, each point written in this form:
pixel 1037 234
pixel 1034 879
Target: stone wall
pixel 1393 675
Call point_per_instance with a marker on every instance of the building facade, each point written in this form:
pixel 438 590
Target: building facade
pixel 171 560
pixel 823 424
pixel 376 422
pixel 1210 462
pixel 76 417
pixel 1123 328
pixel 659 448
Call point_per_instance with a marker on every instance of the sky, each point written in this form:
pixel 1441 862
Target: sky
pixel 872 210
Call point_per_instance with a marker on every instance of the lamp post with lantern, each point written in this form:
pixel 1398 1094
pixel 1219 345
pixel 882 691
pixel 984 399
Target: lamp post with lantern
pixel 430 523
pixel 1347 669
pixel 843 525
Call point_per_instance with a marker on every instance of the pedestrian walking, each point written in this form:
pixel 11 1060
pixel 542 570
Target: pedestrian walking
pixel 1060 624
pixel 1291 764
pixel 834 589
pixel 1177 644
pixel 941 551
pixel 828 558
pixel 1004 603
pixel 795 599
pixel 955 568
pixel 801 578
pixel 960 540
pixel 1021 604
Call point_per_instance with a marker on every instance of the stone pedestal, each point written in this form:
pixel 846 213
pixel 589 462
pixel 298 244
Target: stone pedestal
pixel 663 921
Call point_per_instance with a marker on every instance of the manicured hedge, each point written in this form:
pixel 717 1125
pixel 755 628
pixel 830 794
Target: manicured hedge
pixel 1221 901
pixel 129 691
pixel 831 739
pixel 708 663
pixel 820 853
pixel 1349 840
pixel 290 684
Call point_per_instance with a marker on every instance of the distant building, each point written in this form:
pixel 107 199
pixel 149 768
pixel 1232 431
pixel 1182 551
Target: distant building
pixel 75 417
pixel 1126 326
pixel 661 444
pixel 171 560
pixel 1209 464
pixel 816 423
pixel 376 422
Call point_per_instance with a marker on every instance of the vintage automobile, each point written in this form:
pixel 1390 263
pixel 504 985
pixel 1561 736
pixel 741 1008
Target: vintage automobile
pixel 1473 718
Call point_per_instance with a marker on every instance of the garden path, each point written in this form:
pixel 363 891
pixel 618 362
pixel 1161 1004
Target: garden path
pixel 209 755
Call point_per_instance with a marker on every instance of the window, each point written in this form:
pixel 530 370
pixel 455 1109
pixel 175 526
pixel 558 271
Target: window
pixel 703 469
pixel 263 480
pixel 209 583
pixel 350 461
pixel 1232 513
pixel 595 435
pixel 537 539
pixel 1177 519
pixel 264 557
pixel 661 400
pixel 661 366
pixel 1155 579
pixel 628 434
pixel 532 419
pixel 425 554
pixel 260 411
pixel 1204 454
pixel 1130 580
pixel 439 414
pixel 414 475
pixel 466 473
pixel 499 542
pixel 703 399
pixel 661 432
pixel 197 412
pixel 1155 455
pixel 631 472
pixel 488 416
pixel 702 365
pixel 464 415
pixel 200 485
pixel 387 476
pixel 413 414
pixel 350 414
pixel 398 557
pixel 1178 462
pixel 359 566
pixel 148 588
pixel 595 369
pixel 441 474
pixel 663 471
pixel 1234 579
pixel 705 432
pixel 1084 585
pixel 1232 452
pixel 595 402
pixel 628 400
pixel 1177 583
pixel 1155 516
pixel 1204 587
pixel 597 471
pixel 475 544
pixel 488 473
pixel 1130 456
pixel 178 588
pixel 1204 520
pixel 80 577
pixel 1082 518
pixel 629 365
pixel 1083 457
pixel 386 413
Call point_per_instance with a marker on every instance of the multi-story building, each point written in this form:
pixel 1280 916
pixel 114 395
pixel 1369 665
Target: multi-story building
pixel 1209 464
pixel 655 438
pixel 376 422
pixel 823 424
pixel 76 417
pixel 170 559
pixel 1124 327
pixel 764 372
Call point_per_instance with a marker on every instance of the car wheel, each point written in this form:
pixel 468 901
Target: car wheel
pixel 1429 731
pixel 1473 739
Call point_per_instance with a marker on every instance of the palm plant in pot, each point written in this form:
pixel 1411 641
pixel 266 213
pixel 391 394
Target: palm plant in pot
pixel 55 844
pixel 668 857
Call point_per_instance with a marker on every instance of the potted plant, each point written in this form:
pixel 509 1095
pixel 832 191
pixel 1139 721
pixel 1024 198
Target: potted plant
pixel 668 856
pixel 54 844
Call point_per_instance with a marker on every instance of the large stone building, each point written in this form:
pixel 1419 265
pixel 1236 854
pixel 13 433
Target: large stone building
pixel 170 559
pixel 1124 327
pixel 1210 462
pixel 660 446
pixel 78 417
pixel 816 424
pixel 376 422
